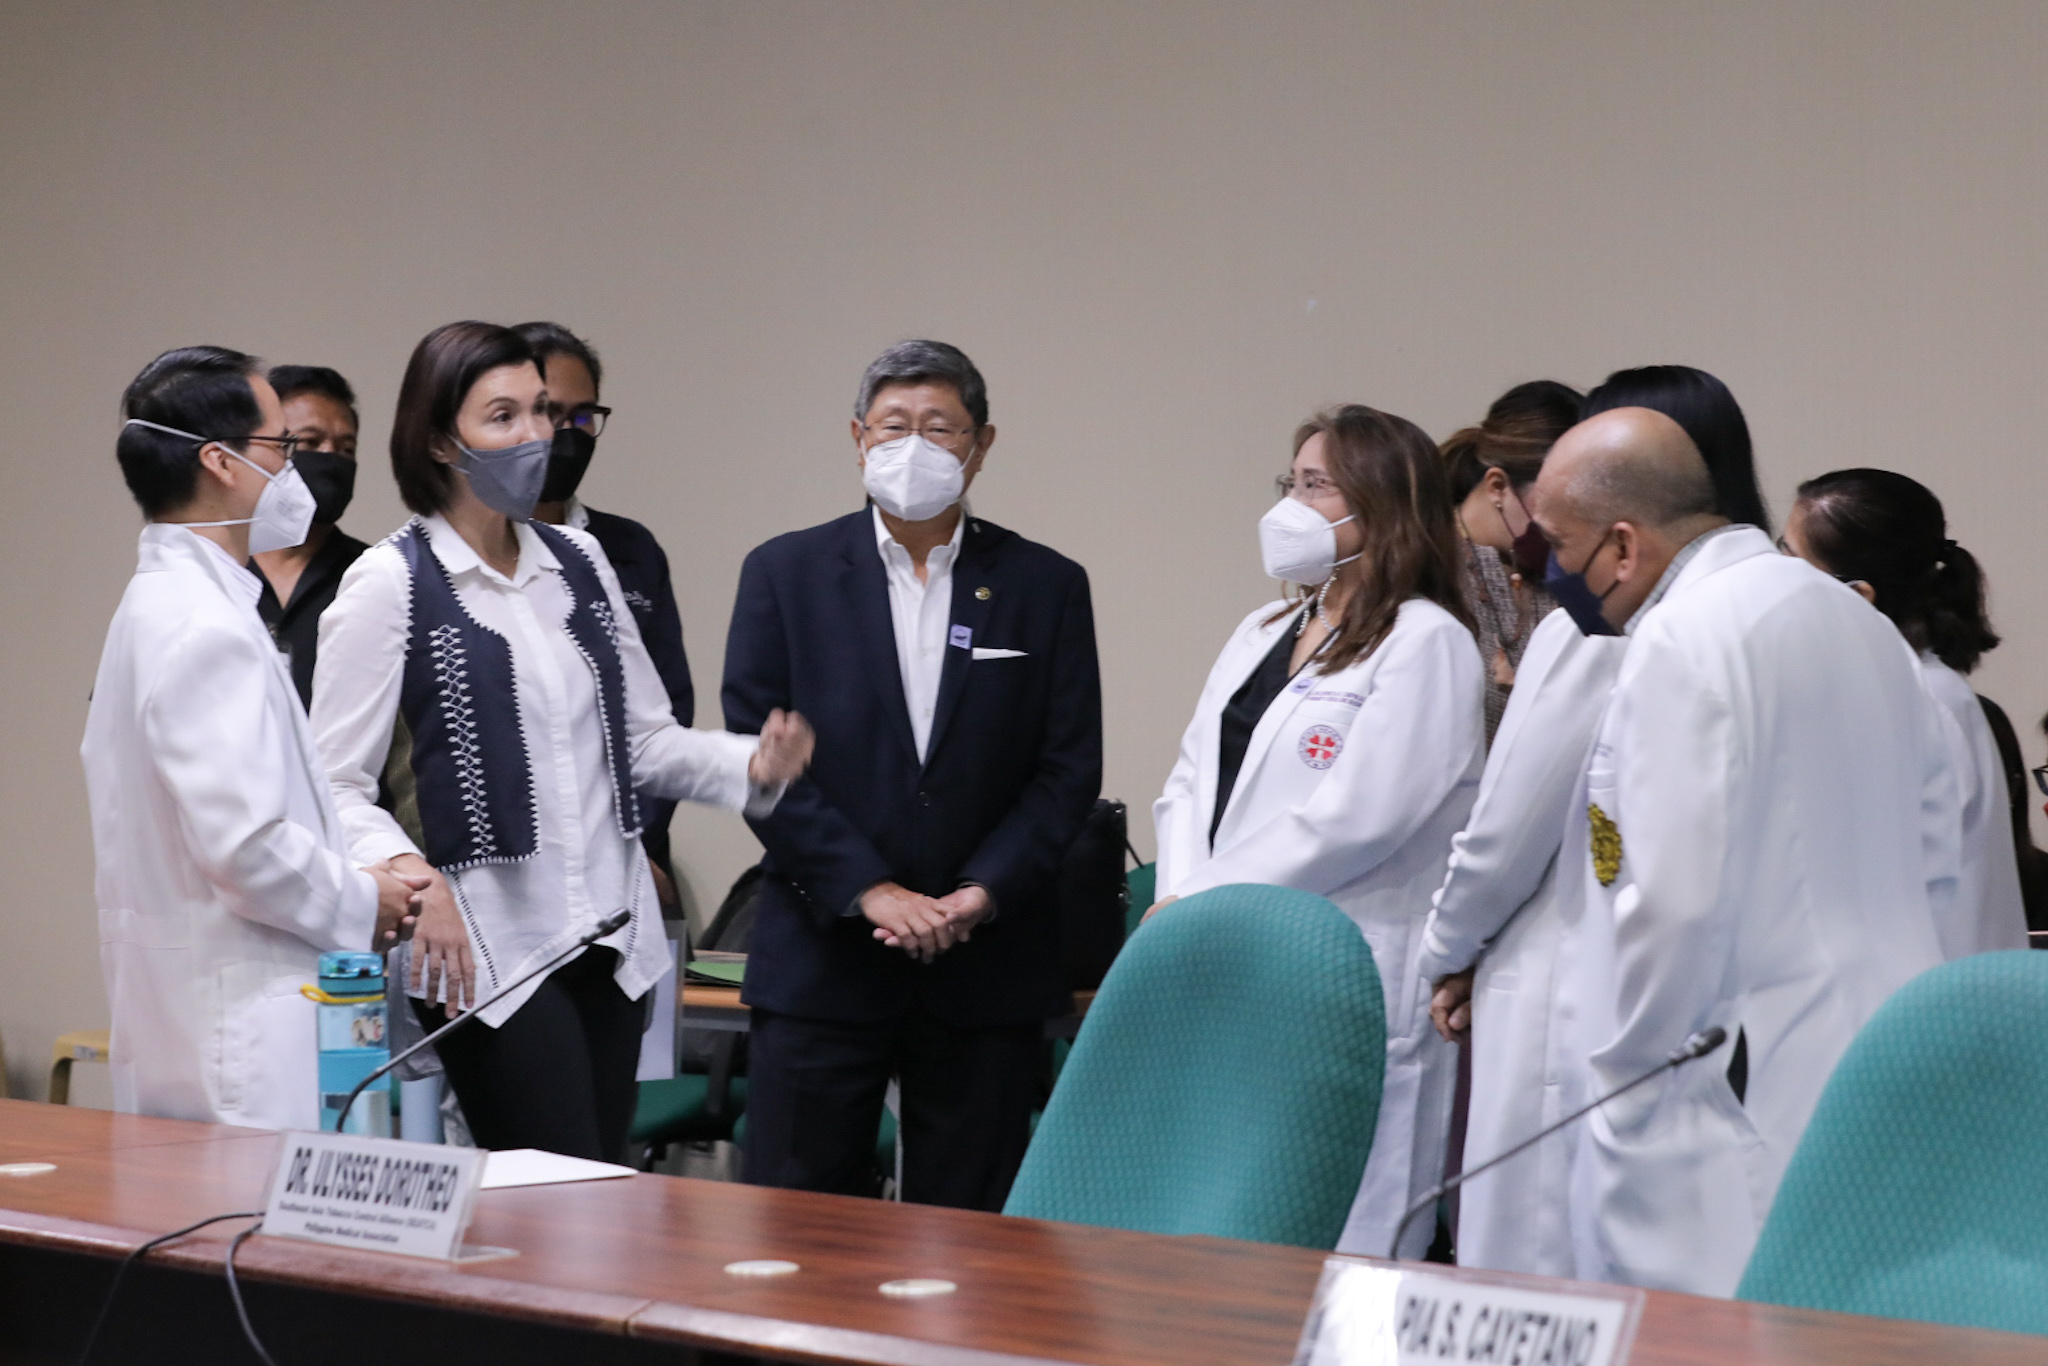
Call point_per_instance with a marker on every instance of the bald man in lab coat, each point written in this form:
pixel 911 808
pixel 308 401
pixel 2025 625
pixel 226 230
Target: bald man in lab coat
pixel 1764 821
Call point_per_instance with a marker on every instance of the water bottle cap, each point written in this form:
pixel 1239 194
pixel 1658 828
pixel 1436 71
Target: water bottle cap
pixel 351 974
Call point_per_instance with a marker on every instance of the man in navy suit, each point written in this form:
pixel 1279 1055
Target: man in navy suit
pixel 906 925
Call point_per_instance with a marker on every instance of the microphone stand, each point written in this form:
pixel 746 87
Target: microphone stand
pixel 1696 1046
pixel 611 924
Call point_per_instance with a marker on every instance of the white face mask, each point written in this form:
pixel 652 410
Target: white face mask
pixel 1299 544
pixel 284 510
pixel 913 478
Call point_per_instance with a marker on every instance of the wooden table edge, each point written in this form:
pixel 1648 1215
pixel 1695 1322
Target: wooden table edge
pixel 790 1340
pixel 423 1281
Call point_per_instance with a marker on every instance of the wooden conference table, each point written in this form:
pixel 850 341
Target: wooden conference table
pixel 631 1271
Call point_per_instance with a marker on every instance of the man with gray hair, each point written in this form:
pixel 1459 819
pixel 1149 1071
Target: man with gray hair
pixel 1762 828
pixel 906 929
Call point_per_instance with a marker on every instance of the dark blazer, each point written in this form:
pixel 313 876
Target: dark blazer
pixel 642 568
pixel 1013 766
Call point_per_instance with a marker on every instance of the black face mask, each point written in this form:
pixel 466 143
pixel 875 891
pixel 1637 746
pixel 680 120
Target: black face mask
pixel 1530 551
pixel 568 461
pixel 331 479
pixel 1577 598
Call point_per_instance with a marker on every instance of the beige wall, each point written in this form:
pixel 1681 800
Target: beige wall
pixel 1165 230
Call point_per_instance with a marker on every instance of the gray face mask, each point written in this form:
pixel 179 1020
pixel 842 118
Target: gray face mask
pixel 508 480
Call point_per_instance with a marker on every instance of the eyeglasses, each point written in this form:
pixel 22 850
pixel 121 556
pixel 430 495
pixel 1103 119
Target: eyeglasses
pixel 938 433
pixel 2041 779
pixel 1308 490
pixel 287 445
pixel 588 419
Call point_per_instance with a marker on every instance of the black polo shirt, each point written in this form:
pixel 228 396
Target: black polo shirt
pixel 642 566
pixel 295 625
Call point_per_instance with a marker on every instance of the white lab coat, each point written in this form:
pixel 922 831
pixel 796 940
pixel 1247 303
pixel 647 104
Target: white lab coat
pixel 1504 904
pixel 221 872
pixel 1784 820
pixel 1987 912
pixel 1352 787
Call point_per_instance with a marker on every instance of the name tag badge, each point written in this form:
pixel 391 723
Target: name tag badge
pixel 378 1194
pixel 1377 1314
pixel 962 638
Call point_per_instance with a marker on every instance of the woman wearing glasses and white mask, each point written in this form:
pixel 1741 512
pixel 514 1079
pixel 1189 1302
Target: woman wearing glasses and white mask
pixel 1337 747
pixel 536 723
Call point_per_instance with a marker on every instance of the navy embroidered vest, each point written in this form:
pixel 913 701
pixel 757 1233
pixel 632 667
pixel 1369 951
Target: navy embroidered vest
pixel 469 755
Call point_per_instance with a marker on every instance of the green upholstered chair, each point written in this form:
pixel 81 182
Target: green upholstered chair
pixel 1226 1081
pixel 1920 1190
pixel 679 1110
pixel 1143 881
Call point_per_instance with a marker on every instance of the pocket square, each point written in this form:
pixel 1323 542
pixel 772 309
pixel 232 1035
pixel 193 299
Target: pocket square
pixel 980 653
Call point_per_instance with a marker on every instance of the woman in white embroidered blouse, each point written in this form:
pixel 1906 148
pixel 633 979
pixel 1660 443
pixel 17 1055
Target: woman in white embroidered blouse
pixel 535 716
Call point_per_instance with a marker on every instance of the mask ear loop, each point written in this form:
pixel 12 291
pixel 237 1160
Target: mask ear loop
pixel 204 442
pixel 1501 511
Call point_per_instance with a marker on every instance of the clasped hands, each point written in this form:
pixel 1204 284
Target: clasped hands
pixel 923 926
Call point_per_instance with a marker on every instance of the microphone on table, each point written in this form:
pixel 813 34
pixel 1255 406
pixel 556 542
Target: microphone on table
pixel 611 924
pixel 1697 1045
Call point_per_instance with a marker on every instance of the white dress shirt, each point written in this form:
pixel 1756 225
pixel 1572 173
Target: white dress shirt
pixel 520 914
pixel 920 613
pixel 222 871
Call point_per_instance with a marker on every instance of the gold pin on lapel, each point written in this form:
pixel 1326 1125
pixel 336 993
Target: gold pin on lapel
pixel 983 594
pixel 1606 842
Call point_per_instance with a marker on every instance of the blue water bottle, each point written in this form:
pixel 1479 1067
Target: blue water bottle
pixel 354 1041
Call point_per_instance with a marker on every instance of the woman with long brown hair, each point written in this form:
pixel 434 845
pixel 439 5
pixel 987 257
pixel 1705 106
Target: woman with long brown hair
pixel 1337 747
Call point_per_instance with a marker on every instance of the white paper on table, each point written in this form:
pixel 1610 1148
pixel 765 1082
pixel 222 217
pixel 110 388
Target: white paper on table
pixel 532 1167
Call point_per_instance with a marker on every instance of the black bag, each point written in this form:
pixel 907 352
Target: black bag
pixel 732 928
pixel 1093 897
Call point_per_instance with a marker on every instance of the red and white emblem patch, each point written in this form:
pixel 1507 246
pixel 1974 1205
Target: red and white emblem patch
pixel 1319 746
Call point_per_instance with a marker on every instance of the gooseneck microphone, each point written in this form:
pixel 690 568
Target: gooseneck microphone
pixel 611 924
pixel 1696 1046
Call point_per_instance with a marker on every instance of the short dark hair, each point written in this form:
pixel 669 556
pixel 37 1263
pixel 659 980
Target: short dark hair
pixel 552 339
pixel 447 362
pixel 1889 531
pixel 292 380
pixel 924 362
pixel 1702 405
pixel 1519 430
pixel 203 390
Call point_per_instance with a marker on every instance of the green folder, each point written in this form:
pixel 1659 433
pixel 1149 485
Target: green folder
pixel 717 969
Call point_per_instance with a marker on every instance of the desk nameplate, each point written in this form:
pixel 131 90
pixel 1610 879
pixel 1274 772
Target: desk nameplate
pixel 1382 1314
pixel 374 1194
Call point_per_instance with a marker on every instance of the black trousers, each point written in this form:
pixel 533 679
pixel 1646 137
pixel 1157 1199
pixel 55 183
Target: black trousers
pixel 558 1075
pixel 814 1103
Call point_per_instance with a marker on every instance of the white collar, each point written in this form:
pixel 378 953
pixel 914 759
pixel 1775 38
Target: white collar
pixel 174 538
pixel 1727 550
pixel 575 514
pixel 458 557
pixel 883 540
